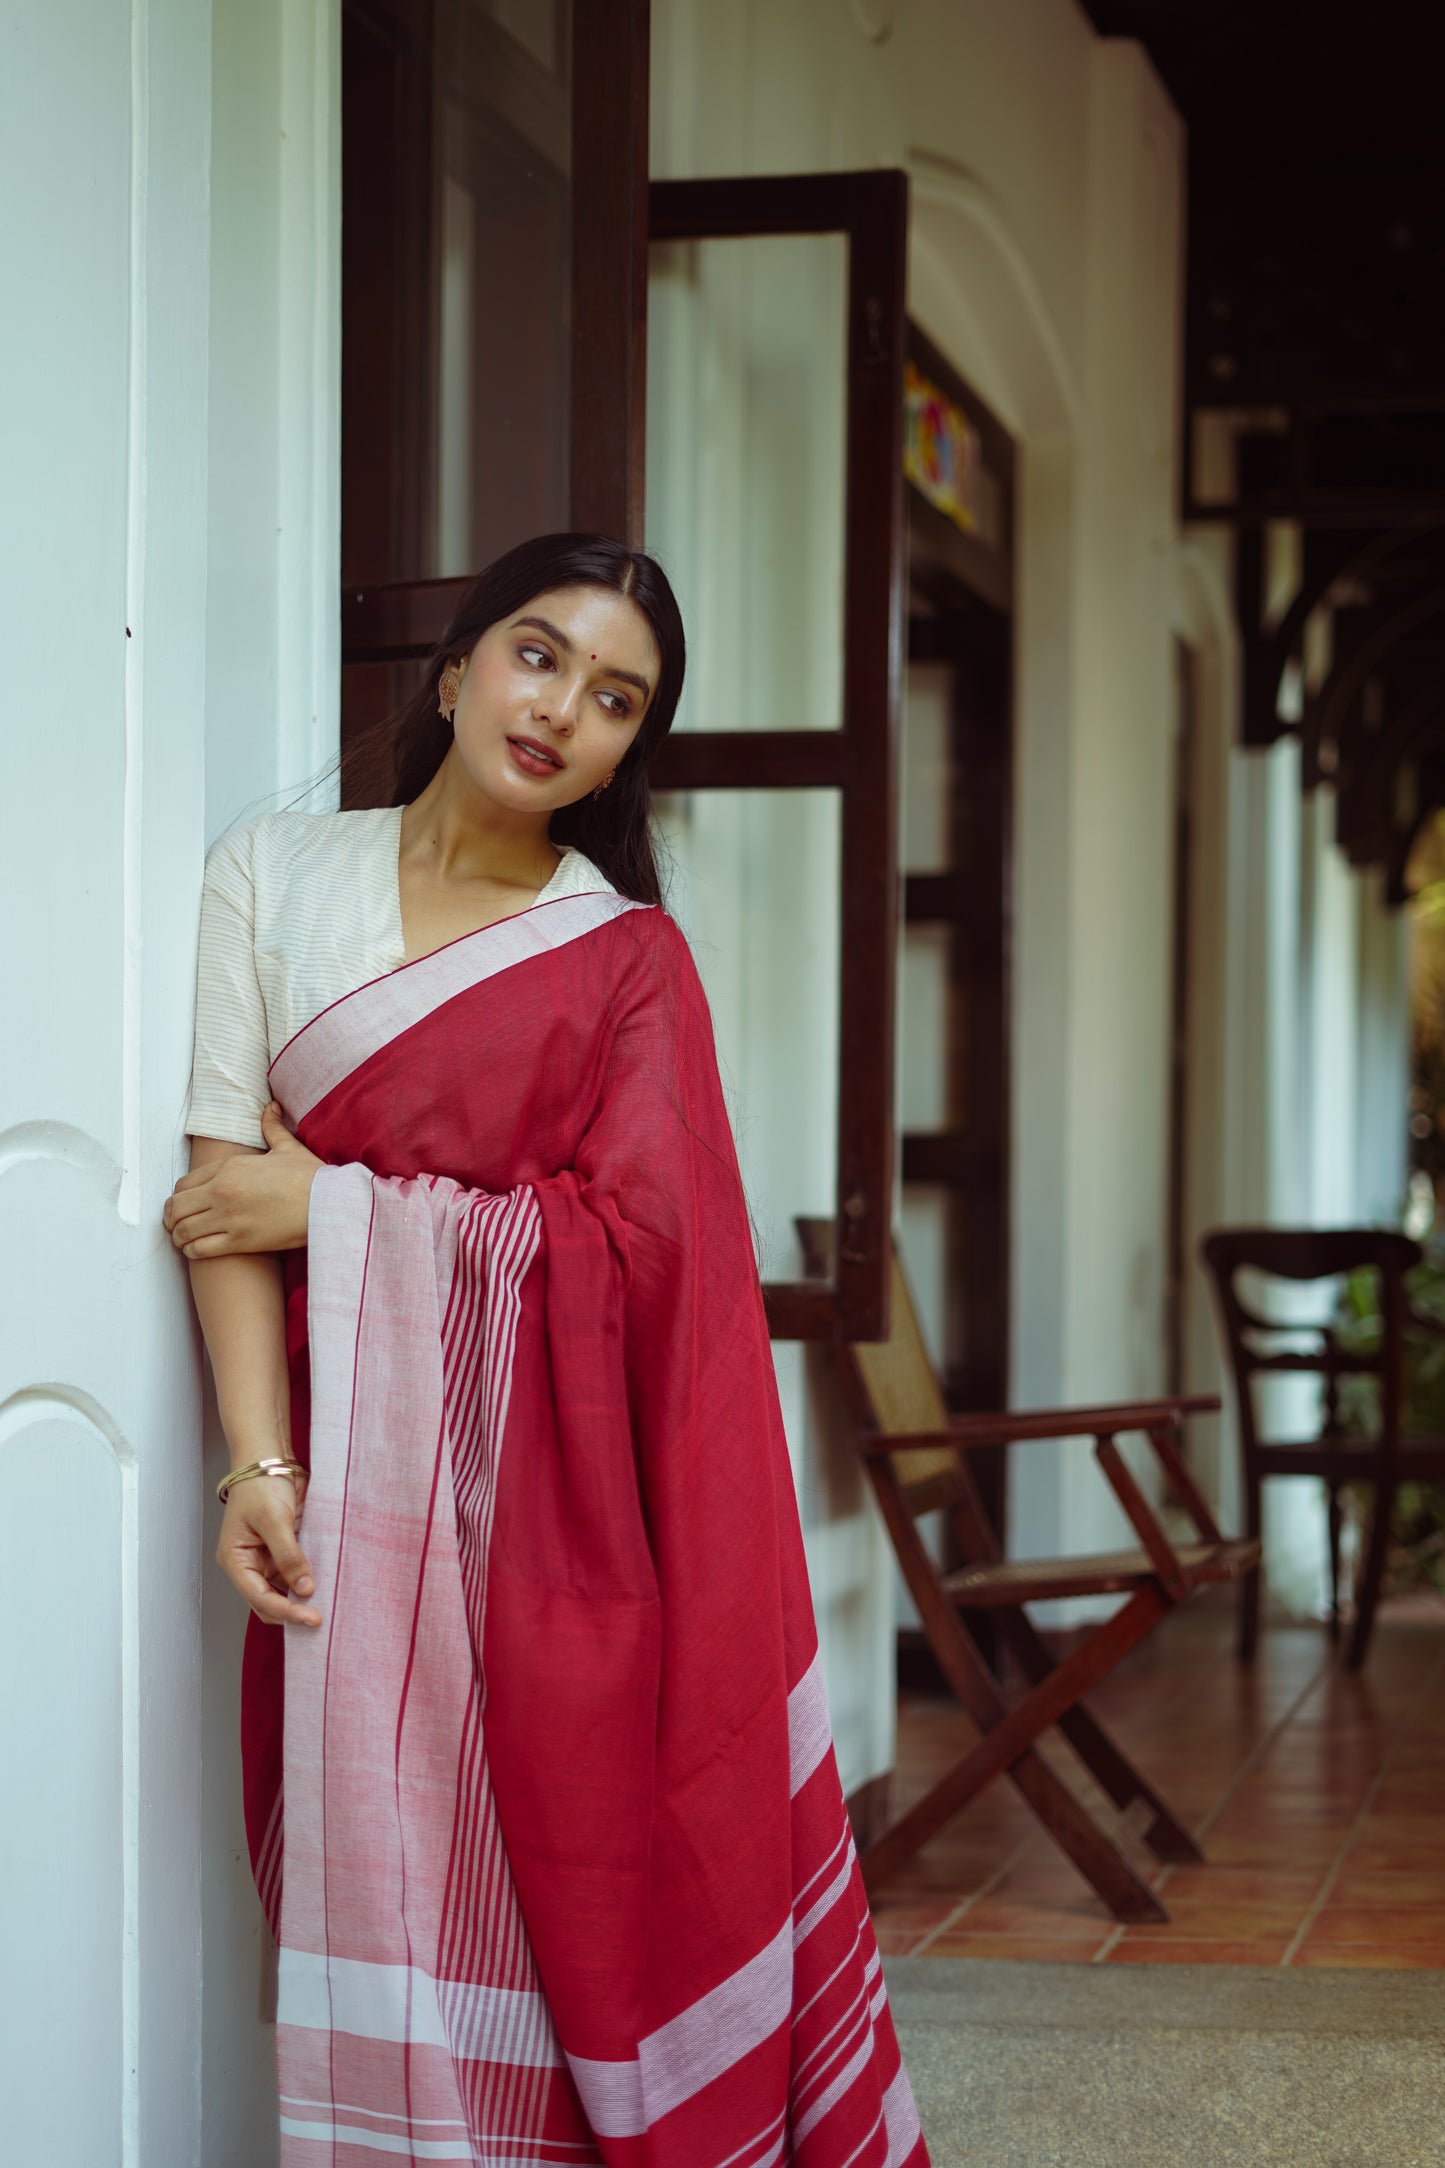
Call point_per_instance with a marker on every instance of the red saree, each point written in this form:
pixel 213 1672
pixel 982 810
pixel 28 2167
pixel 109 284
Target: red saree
pixel 567 1876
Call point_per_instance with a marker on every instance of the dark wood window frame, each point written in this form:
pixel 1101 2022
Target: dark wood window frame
pixel 859 760
pixel 614 215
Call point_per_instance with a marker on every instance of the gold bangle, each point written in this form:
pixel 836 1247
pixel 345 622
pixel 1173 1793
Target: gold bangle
pixel 273 1465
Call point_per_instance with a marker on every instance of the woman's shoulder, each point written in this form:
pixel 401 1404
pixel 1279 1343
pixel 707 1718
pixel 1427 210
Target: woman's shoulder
pixel 267 846
pixel 654 951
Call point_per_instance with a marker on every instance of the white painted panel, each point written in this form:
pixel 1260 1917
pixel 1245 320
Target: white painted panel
pixel 62 1896
pixel 270 721
pixel 63 445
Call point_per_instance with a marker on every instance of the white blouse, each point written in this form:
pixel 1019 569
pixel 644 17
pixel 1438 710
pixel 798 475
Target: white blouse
pixel 298 909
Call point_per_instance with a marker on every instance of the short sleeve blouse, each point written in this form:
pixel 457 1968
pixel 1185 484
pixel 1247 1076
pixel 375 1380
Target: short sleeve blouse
pixel 298 909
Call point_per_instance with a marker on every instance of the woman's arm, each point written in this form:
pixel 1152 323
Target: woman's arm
pixel 240 1303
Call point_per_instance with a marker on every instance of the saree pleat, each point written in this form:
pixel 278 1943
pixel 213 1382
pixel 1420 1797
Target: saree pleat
pixel 564 1872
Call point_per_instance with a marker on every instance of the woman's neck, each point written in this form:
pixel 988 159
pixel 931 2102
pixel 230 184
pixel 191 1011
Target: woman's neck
pixel 457 834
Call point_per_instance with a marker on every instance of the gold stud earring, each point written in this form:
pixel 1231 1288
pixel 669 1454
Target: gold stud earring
pixel 597 793
pixel 448 689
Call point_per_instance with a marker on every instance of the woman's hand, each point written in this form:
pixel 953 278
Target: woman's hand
pixel 259 1554
pixel 247 1201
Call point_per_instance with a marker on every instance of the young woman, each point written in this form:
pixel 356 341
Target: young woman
pixel 551 1834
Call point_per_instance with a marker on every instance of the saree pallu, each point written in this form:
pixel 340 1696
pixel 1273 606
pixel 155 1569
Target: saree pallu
pixel 552 1836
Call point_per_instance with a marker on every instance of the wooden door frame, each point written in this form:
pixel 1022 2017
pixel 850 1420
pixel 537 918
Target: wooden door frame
pixel 610 54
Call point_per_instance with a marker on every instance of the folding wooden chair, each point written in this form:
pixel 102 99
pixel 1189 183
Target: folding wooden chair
pixel 916 1455
pixel 1258 1344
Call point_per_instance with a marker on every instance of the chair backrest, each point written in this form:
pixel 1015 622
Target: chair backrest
pixel 896 1389
pixel 1302 1254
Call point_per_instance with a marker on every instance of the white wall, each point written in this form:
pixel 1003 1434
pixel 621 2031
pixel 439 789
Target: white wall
pixel 104 409
pixel 168 393
pixel 1299 1075
pixel 271 723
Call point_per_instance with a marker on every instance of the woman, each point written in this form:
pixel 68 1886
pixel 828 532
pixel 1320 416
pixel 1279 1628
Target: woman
pixel 562 1872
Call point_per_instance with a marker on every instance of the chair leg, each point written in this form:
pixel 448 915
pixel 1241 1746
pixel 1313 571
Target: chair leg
pixel 1249 1585
pixel 1335 1528
pixel 1367 1587
pixel 1166 1836
pixel 1006 1748
pixel 1098 1859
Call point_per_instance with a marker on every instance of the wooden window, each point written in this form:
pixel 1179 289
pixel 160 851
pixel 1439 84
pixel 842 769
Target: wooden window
pixel 452 451
pixel 852 750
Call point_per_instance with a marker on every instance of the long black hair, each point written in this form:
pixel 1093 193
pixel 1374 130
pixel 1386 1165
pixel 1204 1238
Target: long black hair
pixel 393 763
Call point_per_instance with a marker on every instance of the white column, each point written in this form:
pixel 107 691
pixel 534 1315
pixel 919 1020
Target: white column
pixel 168 395
pixel 105 129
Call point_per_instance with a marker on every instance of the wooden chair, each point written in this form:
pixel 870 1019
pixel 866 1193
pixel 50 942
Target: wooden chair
pixel 1258 1345
pixel 916 1455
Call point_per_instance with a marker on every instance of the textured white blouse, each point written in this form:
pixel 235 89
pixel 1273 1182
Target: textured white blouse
pixel 298 909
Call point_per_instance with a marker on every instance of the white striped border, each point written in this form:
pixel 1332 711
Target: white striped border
pixel 378 2002
pixel 400 2002
pixel 324 1052
pixel 809 1733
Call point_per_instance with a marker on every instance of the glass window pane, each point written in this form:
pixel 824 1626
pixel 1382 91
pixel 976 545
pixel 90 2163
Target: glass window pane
pixel 501 333
pixel 923 1019
pixel 752 877
pixel 926 794
pixel 923 1244
pixel 746 472
pixel 456 282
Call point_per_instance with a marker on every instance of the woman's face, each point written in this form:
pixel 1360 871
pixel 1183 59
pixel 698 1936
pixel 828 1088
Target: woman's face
pixel 552 697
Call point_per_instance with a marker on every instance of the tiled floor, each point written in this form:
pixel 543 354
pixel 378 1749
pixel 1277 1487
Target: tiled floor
pixel 1318 1796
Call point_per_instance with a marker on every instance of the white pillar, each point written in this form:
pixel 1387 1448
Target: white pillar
pixel 105 127
pixel 168 393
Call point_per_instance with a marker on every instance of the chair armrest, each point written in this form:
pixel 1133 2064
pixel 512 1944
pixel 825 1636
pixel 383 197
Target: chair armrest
pixel 1021 1426
pixel 970 1433
pixel 879 1445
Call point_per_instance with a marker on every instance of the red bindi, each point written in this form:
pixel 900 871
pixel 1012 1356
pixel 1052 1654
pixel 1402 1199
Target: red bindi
pixel 594 658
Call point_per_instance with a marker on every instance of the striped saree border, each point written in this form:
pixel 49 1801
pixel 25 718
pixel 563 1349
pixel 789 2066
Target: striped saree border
pixel 450 2054
pixel 314 1061
pixel 693 2049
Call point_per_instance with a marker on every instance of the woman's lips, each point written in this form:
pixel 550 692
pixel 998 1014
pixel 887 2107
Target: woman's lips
pixel 530 761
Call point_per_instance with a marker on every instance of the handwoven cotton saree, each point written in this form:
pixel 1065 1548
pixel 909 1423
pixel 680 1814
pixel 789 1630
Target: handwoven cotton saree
pixel 559 1868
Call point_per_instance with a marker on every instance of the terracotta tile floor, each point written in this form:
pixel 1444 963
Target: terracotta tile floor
pixel 1318 1796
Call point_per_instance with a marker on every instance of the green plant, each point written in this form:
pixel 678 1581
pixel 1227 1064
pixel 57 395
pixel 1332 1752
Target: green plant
pixel 1417 1524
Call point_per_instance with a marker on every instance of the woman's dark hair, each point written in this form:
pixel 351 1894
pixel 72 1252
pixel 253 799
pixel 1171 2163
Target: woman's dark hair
pixel 393 763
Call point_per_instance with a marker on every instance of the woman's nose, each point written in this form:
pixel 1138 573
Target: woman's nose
pixel 559 709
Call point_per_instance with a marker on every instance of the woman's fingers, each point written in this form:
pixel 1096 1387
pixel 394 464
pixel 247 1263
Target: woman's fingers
pixel 217 1245
pixel 260 1556
pixel 275 1607
pixel 290 1562
pixel 183 1199
pixel 190 1221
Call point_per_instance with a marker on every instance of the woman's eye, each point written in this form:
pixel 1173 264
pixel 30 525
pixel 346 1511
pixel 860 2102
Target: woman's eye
pixel 620 707
pixel 536 655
